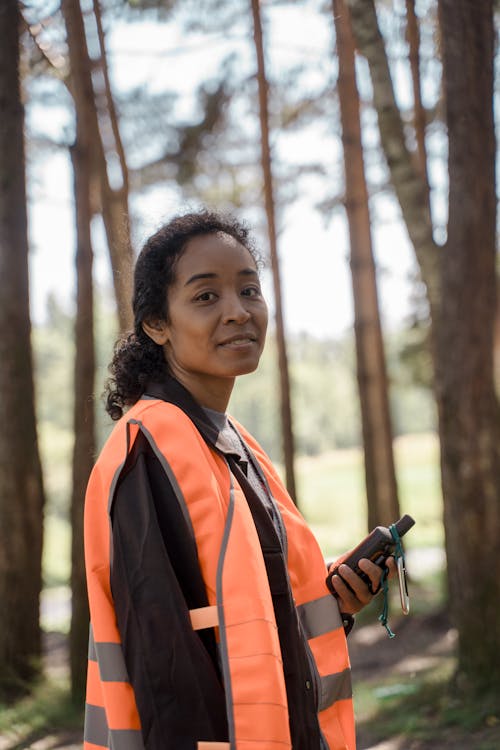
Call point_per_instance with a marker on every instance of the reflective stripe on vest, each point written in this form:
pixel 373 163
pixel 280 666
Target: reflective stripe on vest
pixel 227 543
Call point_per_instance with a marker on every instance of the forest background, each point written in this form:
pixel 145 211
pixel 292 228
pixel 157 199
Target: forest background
pixel 145 108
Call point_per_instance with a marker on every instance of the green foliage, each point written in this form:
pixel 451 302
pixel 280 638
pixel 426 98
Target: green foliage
pixel 54 372
pixel 54 353
pixel 332 494
pixel 324 396
pixel 48 709
pixel 429 706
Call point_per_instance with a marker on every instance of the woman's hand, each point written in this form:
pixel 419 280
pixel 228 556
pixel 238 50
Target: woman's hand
pixel 352 601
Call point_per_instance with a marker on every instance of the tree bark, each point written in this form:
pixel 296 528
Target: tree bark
pixel 83 417
pixel 286 408
pixel 83 414
pixel 380 475
pixel 407 182
pixel 419 118
pixel 469 416
pixel 115 200
pixel 114 203
pixel 21 486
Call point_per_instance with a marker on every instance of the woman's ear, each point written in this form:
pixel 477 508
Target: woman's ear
pixel 157 330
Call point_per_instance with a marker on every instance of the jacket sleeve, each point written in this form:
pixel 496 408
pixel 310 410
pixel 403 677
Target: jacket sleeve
pixel 155 580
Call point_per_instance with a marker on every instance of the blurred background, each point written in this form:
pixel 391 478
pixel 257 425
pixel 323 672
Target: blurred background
pixel 358 140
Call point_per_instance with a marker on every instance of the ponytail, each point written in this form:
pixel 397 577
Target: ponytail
pixel 136 361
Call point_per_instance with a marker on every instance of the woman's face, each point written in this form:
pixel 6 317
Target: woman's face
pixel 217 318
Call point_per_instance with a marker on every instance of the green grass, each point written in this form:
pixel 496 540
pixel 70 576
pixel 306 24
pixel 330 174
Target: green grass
pixel 332 493
pixel 427 707
pixel 47 709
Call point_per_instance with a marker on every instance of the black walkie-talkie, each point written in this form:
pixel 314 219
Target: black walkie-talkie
pixel 377 547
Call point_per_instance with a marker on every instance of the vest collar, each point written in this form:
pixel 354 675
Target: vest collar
pixel 175 393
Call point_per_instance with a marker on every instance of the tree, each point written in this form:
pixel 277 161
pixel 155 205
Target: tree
pixel 406 178
pixel 461 287
pixel 21 486
pixel 112 202
pixel 84 365
pixel 419 115
pixel 266 160
pixel 83 410
pixel 469 414
pixel 380 475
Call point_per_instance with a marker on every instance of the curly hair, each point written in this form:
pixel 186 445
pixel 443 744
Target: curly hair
pixel 137 359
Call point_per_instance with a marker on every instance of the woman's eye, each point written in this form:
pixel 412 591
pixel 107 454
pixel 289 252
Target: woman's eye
pixel 251 291
pixel 205 297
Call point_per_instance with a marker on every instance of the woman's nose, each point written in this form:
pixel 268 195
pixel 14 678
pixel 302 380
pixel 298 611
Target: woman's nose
pixel 235 311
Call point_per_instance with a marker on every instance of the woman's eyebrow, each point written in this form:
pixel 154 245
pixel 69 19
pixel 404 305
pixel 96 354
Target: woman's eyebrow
pixel 213 275
pixel 198 276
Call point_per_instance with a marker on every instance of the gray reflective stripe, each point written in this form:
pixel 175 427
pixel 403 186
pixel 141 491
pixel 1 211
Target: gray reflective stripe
pixel 96 726
pixel 97 732
pixel 109 656
pixel 319 616
pixel 223 649
pixel 170 474
pixel 111 662
pixel 126 739
pixel 335 687
pixel 92 653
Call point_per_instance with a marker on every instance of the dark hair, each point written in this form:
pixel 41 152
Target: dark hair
pixel 137 359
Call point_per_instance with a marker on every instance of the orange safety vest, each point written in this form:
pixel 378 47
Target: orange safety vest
pixel 240 606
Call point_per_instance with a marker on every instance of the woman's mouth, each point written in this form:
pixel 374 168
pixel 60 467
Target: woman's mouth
pixel 238 341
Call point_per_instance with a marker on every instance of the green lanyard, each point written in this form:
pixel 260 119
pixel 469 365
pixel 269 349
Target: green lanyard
pixel 403 586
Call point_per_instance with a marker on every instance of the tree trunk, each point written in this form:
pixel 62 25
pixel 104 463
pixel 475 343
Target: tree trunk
pixel 469 417
pixel 83 414
pixel 496 342
pixel 21 487
pixel 83 420
pixel 380 475
pixel 286 409
pixel 413 38
pixel 114 203
pixel 407 182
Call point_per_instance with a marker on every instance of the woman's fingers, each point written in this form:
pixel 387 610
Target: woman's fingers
pixel 352 591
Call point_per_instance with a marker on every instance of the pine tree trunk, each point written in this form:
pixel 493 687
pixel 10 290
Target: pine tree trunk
pixel 407 181
pixel 286 407
pixel 113 203
pixel 83 419
pixel 380 475
pixel 83 415
pixel 21 488
pixel 469 416
pixel 115 200
pixel 413 37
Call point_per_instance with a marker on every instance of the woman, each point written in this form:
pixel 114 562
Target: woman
pixel 211 623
